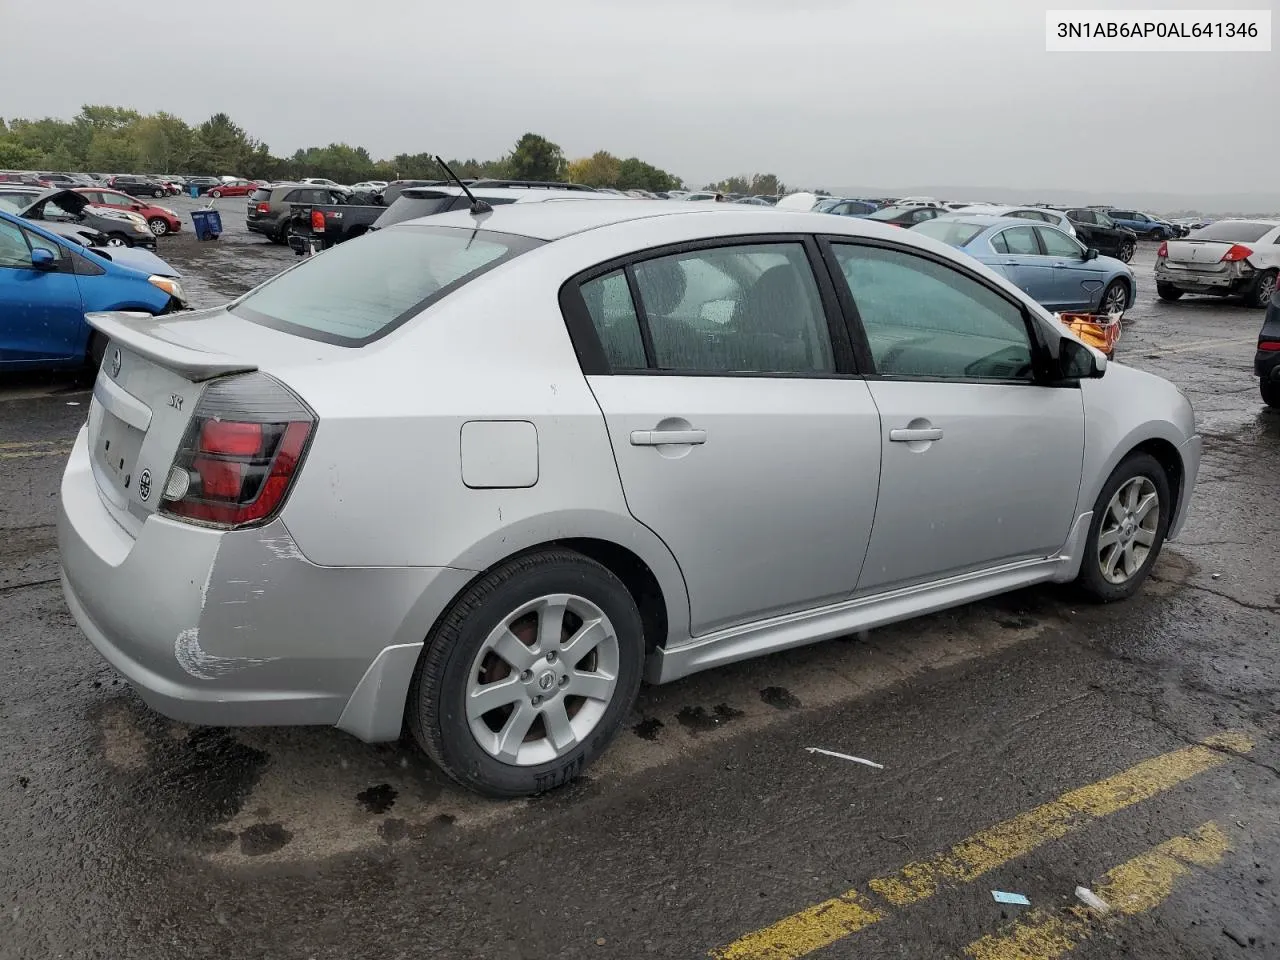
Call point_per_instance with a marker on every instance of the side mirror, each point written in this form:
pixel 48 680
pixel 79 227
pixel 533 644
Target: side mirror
pixel 42 259
pixel 1080 362
pixel 1091 254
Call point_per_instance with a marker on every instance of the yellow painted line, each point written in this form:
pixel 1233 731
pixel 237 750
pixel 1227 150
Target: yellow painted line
pixel 1200 344
pixel 23 455
pixel 824 923
pixel 1135 887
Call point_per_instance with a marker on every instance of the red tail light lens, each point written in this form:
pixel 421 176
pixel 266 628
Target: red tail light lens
pixel 240 455
pixel 317 221
pixel 1238 251
pixel 1269 345
pixel 1163 251
pixel 264 208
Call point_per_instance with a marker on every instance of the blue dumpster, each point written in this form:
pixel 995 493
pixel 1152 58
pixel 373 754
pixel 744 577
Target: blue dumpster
pixel 194 190
pixel 207 224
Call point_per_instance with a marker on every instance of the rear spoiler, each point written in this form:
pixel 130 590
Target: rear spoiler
pixel 137 331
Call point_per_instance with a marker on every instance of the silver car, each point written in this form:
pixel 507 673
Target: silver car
pixel 476 475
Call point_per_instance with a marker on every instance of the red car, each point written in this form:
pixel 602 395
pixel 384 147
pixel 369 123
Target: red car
pixel 235 188
pixel 161 220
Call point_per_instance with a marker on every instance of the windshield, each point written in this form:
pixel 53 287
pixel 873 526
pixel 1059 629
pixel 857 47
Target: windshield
pixel 949 231
pixel 357 292
pixel 14 202
pixel 1236 231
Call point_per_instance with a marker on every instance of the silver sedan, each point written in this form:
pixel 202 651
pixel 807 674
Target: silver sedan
pixel 478 474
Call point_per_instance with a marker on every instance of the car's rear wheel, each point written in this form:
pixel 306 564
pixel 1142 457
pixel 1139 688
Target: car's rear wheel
pixel 1126 250
pixel 1115 298
pixel 1270 392
pixel 1263 288
pixel 159 226
pixel 529 675
pixel 1130 520
pixel 1168 292
pixel 1156 234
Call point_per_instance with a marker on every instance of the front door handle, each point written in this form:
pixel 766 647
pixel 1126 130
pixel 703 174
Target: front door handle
pixel 1012 263
pixel 657 438
pixel 915 434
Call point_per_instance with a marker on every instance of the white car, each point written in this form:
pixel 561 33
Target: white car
pixel 1236 258
pixel 1037 214
pixel 368 186
pixel 919 202
pixel 474 473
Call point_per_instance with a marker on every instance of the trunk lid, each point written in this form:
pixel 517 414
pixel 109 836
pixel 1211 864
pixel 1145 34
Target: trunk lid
pixel 1203 256
pixel 152 377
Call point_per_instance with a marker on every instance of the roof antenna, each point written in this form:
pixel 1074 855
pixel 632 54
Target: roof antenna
pixel 477 206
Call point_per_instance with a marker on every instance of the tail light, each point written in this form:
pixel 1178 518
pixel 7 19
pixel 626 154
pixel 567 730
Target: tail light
pixel 240 455
pixel 1163 251
pixel 264 208
pixel 317 221
pixel 1238 251
pixel 1270 346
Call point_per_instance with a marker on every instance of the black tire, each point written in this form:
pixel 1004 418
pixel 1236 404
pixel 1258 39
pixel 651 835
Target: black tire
pixel 1263 288
pixel 1270 390
pixel 157 193
pixel 1092 579
pixel 1110 294
pixel 1155 235
pixel 216 194
pixel 159 226
pixel 118 240
pixel 1168 292
pixel 436 709
pixel 1126 250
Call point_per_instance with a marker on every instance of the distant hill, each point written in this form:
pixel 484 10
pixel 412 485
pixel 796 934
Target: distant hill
pixel 1172 204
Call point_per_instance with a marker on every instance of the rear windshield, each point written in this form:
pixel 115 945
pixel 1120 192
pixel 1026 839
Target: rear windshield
pixel 262 193
pixel 948 231
pixel 1237 231
pixel 413 203
pixel 887 213
pixel 357 292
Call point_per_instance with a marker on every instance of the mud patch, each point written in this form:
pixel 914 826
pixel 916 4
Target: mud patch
pixel 378 799
pixel 1016 623
pixel 780 698
pixel 648 728
pixel 697 720
pixel 263 838
pixel 124 745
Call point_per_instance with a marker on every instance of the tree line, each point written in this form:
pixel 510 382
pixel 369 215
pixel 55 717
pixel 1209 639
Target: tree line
pixel 107 139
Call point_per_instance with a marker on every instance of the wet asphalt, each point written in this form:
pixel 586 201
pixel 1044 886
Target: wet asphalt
pixel 123 834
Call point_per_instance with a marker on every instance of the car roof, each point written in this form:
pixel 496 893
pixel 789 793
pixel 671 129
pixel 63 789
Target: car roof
pixel 986 220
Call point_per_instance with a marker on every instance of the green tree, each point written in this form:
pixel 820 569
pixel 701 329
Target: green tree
pixel 635 173
pixel 601 169
pixel 536 158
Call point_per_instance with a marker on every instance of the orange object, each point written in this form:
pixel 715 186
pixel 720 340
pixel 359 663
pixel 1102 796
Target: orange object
pixel 1096 329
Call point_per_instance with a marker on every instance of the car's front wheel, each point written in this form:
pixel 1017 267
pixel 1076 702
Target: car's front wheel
pixel 157 193
pixel 1130 520
pixel 159 226
pixel 1126 250
pixel 117 240
pixel 1115 298
pixel 1167 291
pixel 1270 393
pixel 216 194
pixel 529 675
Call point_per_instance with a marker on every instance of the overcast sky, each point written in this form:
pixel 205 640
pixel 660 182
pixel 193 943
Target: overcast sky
pixel 822 92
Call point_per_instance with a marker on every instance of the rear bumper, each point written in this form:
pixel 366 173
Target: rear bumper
pixel 1235 279
pixel 1266 364
pixel 238 628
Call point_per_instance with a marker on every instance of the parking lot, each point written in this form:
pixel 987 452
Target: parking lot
pixel 1029 744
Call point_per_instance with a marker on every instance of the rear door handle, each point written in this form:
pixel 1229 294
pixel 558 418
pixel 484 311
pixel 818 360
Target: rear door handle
pixel 656 438
pixel 912 435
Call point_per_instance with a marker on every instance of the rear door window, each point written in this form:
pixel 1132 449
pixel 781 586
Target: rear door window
pixel 1020 241
pixel 358 292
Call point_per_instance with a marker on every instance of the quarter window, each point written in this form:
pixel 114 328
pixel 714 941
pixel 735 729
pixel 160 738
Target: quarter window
pixel 608 300
pixel 740 309
pixel 923 319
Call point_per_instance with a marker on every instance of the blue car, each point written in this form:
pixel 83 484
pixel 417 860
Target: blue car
pixel 1144 225
pixel 48 283
pixel 1055 269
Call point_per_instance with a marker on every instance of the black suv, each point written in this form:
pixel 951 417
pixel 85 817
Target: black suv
pixel 138 186
pixel 1266 362
pixel 1095 229
pixel 271 207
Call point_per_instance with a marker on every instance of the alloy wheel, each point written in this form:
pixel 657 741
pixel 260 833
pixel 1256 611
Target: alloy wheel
pixel 1266 287
pixel 1128 530
pixel 1116 299
pixel 1126 251
pixel 542 680
pixel 115 242
pixel 159 227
